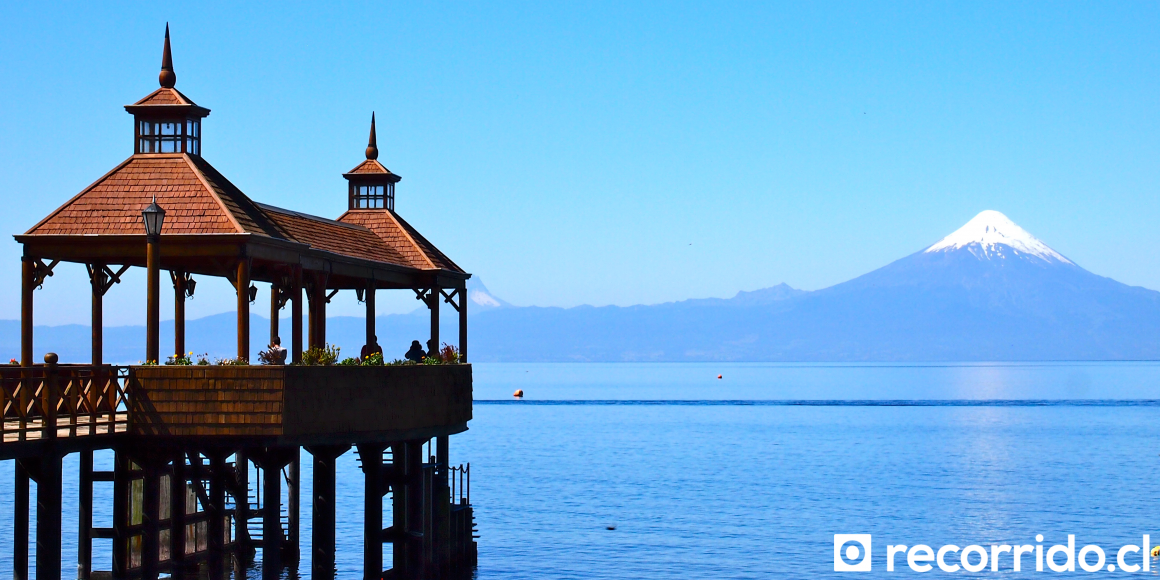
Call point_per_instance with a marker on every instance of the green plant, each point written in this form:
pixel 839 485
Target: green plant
pixel 349 361
pixel 232 362
pixel 149 363
pixel 401 363
pixel 175 360
pixel 321 356
pixel 375 359
pixel 432 360
pixel 203 359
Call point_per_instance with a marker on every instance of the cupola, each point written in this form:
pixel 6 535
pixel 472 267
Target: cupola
pixel 371 186
pixel 167 121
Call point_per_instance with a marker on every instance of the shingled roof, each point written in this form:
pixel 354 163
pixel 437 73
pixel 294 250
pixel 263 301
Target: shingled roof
pixel 415 249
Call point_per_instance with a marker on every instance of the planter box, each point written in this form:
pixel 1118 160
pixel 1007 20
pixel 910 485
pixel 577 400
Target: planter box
pixel 304 404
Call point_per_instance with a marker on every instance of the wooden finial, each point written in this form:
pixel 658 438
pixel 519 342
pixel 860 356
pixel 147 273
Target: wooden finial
pixel 168 78
pixel 372 144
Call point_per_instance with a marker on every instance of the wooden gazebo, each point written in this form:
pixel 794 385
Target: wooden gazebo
pixel 195 431
pixel 211 228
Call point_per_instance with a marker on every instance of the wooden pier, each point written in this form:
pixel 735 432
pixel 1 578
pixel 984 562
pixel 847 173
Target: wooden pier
pixel 186 438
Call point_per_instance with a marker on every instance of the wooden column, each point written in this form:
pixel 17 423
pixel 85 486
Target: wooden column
pixel 272 536
pixel 27 273
pixel 312 313
pixel 274 312
pixel 322 526
pixel 372 465
pixel 20 524
pixel 217 516
pixel 150 512
pixel 97 280
pixel 296 316
pixel 120 515
pixel 177 498
pixel 399 509
pixel 463 323
pixel 435 298
pixel 179 280
pixel 153 302
pixel 370 299
pixel 441 508
pixel 293 505
pixel 48 499
pixel 242 504
pixel 85 517
pixel 414 478
pixel 243 288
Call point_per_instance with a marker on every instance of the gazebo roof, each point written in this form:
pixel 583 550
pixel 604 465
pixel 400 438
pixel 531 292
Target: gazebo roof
pixel 211 222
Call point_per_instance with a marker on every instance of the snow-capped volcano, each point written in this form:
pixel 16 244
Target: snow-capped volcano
pixel 992 234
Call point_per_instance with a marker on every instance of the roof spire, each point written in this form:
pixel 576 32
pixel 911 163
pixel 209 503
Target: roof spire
pixel 372 144
pixel 167 78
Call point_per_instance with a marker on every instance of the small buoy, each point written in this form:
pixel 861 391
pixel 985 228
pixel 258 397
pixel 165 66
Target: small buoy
pixel 519 394
pixel 614 527
pixel 1156 551
pixel 718 376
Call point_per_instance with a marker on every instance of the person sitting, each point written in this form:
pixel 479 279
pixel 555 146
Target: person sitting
pixel 372 348
pixel 278 352
pixel 416 353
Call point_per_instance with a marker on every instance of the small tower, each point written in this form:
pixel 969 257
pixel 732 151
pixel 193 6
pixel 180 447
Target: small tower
pixel 166 121
pixel 371 186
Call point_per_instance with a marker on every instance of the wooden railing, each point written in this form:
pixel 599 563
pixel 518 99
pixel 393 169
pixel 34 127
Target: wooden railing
pixel 56 401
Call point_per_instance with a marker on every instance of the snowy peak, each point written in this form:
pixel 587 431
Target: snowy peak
pixel 987 233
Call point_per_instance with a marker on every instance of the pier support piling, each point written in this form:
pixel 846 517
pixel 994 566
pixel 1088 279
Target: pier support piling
pixel 85 517
pixel 372 465
pixel 20 524
pixel 48 496
pixel 322 530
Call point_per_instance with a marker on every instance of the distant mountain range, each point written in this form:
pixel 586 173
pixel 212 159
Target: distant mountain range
pixel 990 291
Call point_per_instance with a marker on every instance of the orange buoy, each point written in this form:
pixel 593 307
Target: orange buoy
pixel 519 394
pixel 718 376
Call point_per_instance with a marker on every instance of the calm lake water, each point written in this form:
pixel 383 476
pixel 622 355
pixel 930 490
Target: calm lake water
pixel 738 478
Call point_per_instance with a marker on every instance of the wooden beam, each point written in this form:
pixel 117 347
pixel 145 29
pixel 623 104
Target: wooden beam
pixel 153 303
pixel 27 267
pixel 434 298
pixel 463 323
pixel 242 285
pixel 274 312
pixel 179 290
pixel 371 339
pixel 97 280
pixel 296 316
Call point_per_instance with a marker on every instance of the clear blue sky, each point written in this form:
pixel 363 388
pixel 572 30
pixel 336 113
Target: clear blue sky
pixel 617 153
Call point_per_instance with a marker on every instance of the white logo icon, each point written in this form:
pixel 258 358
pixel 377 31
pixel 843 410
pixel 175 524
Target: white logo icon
pixel 848 548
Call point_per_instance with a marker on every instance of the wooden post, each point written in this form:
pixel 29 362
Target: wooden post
pixel 312 313
pixel 243 287
pixel 370 300
pixel 20 524
pixel 150 512
pixel 242 504
pixel 293 498
pixel 48 499
pixel 372 465
pixel 217 514
pixel 272 536
pixel 178 314
pixel 97 280
pixel 120 515
pixel 273 312
pixel 153 301
pixel 296 316
pixel 322 525
pixel 463 323
pixel 177 498
pixel 85 517
pixel 414 499
pixel 435 298
pixel 441 507
pixel 27 273
pixel 322 312
pixel 399 509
